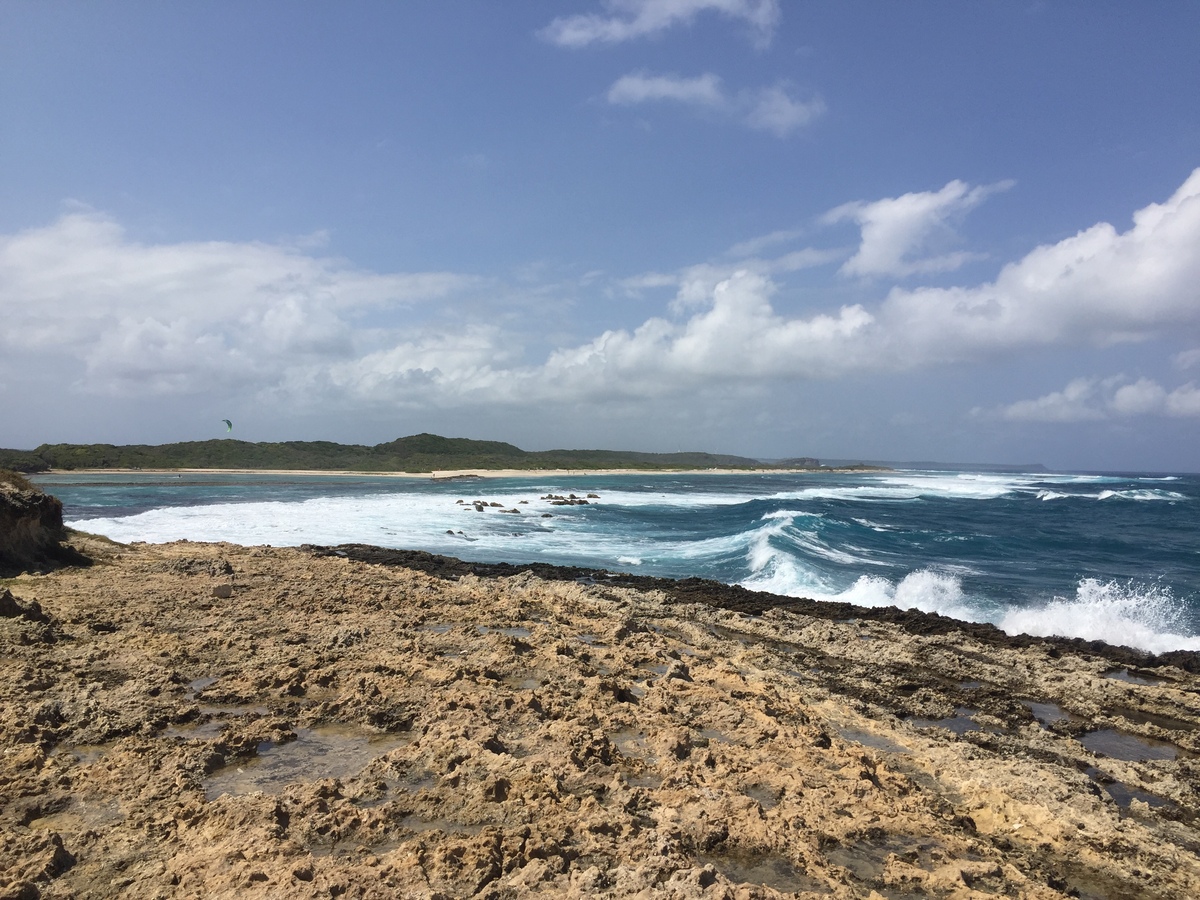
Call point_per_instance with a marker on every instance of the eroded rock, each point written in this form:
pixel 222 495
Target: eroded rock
pixel 336 727
pixel 31 528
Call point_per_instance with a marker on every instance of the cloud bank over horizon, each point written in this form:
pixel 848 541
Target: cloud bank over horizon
pixel 177 319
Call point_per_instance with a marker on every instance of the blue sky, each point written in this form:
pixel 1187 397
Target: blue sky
pixel 931 230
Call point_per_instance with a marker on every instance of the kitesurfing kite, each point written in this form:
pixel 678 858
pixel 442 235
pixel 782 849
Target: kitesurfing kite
pixel 228 425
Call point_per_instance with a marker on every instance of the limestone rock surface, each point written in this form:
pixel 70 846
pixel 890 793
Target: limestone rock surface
pixel 335 728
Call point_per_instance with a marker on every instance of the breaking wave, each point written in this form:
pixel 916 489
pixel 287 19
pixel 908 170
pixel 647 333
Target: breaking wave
pixel 1147 617
pixel 1140 495
pixel 976 547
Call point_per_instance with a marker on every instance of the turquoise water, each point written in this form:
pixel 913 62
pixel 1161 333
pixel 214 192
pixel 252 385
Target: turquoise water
pixel 1112 557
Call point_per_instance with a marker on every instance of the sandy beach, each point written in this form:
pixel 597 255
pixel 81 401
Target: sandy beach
pixel 209 720
pixel 459 473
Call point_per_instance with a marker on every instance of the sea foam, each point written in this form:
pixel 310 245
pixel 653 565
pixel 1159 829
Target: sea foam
pixel 1140 495
pixel 1146 617
pixel 921 547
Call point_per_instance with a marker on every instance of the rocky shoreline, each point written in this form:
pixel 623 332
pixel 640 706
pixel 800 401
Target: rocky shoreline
pixel 208 720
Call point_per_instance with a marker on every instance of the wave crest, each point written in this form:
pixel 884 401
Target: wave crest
pixel 1142 494
pixel 1147 617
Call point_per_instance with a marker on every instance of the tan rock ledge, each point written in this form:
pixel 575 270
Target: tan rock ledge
pixel 329 726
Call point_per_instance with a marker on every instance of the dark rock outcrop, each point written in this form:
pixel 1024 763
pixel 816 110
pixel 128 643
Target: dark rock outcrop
pixel 31 528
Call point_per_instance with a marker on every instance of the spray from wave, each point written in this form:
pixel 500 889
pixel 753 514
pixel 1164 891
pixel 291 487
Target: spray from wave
pixel 924 589
pixel 1147 617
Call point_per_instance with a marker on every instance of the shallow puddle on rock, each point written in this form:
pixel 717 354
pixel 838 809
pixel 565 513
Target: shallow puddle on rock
pixel 1048 713
pixel 867 859
pixel 958 724
pixel 213 720
pixel 80 816
pixel 715 736
pixel 1124 795
pixel 771 870
pixel 742 637
pixel 232 712
pixel 416 823
pixel 874 741
pixel 87 754
pixel 1129 747
pixel 970 685
pixel 316 753
pixel 1083 884
pixel 765 795
pixel 197 731
pixel 195 687
pixel 522 682
pixel 646 779
pixel 632 744
pixel 590 639
pixel 1130 678
pixel 436 628
pixel 352 850
pixel 418 780
pixel 519 632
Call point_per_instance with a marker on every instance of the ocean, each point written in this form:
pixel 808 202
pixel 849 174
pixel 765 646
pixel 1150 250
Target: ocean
pixel 1107 557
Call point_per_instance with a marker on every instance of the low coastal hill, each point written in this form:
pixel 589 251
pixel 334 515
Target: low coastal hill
pixel 416 453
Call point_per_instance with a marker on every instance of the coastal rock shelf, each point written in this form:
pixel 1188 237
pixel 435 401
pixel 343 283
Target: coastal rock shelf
pixel 207 720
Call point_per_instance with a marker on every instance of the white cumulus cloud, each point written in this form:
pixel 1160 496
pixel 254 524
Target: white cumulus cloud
pixel 1077 402
pixel 771 109
pixel 1095 399
pixel 641 87
pixel 1184 402
pixel 134 319
pixel 903 235
pixel 631 19
pixel 173 318
pixel 737 336
pixel 1187 359
pixel 1142 397
pixel 1100 286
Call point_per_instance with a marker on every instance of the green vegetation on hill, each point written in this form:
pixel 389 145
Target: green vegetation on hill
pixel 416 453
pixel 22 461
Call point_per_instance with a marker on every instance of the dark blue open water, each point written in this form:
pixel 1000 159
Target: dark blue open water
pixel 1114 557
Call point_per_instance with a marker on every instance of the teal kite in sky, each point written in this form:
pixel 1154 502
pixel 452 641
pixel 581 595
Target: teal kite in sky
pixel 228 425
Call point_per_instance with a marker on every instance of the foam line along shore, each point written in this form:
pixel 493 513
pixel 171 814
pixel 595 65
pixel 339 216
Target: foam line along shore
pixel 1096 556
